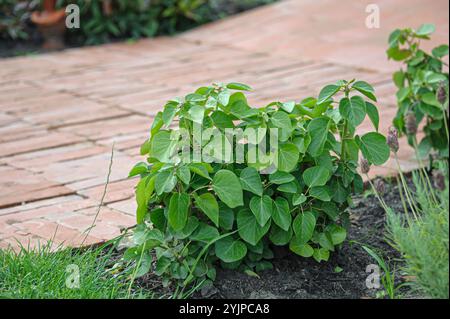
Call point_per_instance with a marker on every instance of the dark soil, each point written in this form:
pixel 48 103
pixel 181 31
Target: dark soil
pixel 294 277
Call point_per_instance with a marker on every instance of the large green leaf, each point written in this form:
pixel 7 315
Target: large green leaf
pixel 366 89
pixel 178 210
pixel 251 181
pixel 281 214
pixel 338 234
pixel 230 250
pixel 374 148
pixel 327 92
pixel 205 233
pixel 354 110
pixel 248 227
pixel 300 248
pixel 316 176
pixel 318 130
pixel 372 112
pixel 281 178
pixel 228 188
pixel 207 203
pixel 238 86
pixel 163 146
pixel 288 156
pixel 262 208
pixel 281 120
pixel 426 29
pixel 280 237
pixel 165 182
pixel 303 226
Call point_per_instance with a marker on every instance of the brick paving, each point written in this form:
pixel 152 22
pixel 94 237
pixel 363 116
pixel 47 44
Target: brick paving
pixel 61 112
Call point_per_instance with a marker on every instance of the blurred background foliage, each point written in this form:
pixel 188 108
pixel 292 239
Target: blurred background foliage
pixel 108 20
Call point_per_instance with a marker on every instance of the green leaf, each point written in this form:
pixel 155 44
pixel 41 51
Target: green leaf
pixel 281 214
pixel 365 89
pixel 321 193
pixel 228 188
pixel 398 54
pixel 138 169
pixel 170 110
pixel 248 227
pixel 251 181
pixel 300 248
pixel 430 98
pixel 238 86
pixel 163 146
pixel 399 79
pixel 199 169
pixel 288 156
pixel 403 93
pixel 165 182
pixel 374 148
pixel 157 124
pixel 281 178
pixel 230 250
pixel 321 254
pixel 304 225
pixel 298 199
pixel 184 174
pixel 327 92
pixel 290 188
pixel 222 120
pixel 440 51
pixel 354 110
pixel 205 233
pixel 226 217
pixel 426 29
pixel 338 234
pixel 316 176
pixel 281 120
pixel 318 130
pixel 191 226
pixel 178 211
pixel 262 208
pixel 325 241
pixel 288 106
pixel 207 203
pixel 372 112
pixel 196 113
pixel 339 192
pixel 280 237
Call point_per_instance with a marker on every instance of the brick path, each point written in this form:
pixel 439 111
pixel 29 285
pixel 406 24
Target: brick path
pixel 61 112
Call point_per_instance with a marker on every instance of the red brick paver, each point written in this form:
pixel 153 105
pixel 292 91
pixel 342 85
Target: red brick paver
pixel 60 113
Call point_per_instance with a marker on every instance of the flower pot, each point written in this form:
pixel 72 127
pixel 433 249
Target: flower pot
pixel 51 24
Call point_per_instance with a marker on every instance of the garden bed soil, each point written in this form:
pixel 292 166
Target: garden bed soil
pixel 294 277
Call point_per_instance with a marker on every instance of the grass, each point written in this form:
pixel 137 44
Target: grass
pixel 42 273
pixel 421 234
pixel 423 240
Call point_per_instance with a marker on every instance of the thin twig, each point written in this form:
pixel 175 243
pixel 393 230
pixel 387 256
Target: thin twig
pixel 88 230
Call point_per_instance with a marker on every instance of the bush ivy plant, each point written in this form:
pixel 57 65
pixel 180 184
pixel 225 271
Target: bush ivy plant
pixel 193 214
pixel 422 89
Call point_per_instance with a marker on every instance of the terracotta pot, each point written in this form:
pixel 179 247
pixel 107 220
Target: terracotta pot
pixel 49 5
pixel 51 24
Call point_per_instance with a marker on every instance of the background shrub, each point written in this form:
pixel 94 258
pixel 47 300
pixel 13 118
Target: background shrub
pixel 106 20
pixel 422 90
